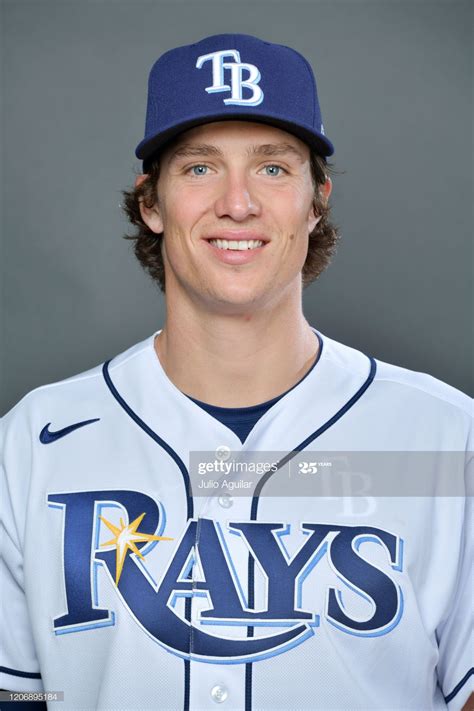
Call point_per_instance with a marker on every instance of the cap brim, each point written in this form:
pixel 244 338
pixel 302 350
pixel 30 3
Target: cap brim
pixel 149 146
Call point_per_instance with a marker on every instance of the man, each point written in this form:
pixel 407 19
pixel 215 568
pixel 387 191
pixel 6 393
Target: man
pixel 133 581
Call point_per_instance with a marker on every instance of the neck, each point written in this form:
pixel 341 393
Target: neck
pixel 236 360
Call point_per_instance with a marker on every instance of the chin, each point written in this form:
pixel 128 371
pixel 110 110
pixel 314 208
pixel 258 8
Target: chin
pixel 238 300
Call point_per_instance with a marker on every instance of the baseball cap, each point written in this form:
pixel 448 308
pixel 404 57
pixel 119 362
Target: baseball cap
pixel 232 77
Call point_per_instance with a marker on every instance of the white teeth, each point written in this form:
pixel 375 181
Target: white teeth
pixel 241 244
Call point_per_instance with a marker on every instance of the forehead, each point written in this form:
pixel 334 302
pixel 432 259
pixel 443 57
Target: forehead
pixel 239 136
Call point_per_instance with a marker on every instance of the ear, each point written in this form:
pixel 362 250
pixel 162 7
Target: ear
pixel 325 191
pixel 151 216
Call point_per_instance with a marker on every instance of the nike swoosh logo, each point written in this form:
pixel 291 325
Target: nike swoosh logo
pixel 46 436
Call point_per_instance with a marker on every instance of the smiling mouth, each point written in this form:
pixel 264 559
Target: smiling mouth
pixel 237 245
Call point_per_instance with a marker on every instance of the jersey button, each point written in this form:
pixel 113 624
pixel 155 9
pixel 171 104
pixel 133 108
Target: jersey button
pixel 225 501
pixel 219 693
pixel 223 452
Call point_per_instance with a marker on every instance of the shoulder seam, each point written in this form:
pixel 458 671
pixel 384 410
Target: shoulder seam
pixel 65 381
pixel 111 364
pixel 79 377
pixel 58 383
pixel 361 371
pixel 412 386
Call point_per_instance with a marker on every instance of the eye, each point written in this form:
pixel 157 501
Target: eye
pixel 273 170
pixel 199 170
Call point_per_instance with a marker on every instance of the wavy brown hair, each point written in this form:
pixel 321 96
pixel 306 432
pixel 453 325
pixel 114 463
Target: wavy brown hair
pixel 147 244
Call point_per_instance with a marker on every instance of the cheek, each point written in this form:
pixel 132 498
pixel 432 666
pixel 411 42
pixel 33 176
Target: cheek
pixel 175 225
pixel 179 242
pixel 295 206
pixel 184 207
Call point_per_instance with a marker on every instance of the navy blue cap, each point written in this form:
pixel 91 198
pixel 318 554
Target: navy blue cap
pixel 232 77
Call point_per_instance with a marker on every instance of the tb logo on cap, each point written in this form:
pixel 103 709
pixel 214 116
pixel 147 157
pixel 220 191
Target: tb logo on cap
pixel 237 82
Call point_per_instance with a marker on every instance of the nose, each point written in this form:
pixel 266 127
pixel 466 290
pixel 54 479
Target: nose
pixel 237 198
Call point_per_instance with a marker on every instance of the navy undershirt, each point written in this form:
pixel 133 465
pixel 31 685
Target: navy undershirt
pixel 241 420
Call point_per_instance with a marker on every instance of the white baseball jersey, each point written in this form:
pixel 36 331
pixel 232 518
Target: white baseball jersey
pixel 128 585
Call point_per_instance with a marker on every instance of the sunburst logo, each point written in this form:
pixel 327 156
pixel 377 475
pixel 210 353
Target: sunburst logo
pixel 125 539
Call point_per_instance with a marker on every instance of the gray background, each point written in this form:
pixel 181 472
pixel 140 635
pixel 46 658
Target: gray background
pixel 395 83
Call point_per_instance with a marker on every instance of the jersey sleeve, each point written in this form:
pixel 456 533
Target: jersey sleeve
pixel 455 634
pixel 19 667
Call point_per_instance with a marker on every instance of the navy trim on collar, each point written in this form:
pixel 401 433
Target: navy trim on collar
pixel 169 450
pixel 314 435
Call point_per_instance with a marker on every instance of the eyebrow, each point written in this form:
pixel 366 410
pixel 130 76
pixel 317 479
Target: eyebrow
pixel 264 149
pixel 193 150
pixel 276 149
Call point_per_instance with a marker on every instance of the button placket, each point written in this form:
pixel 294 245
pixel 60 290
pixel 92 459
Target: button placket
pixel 223 685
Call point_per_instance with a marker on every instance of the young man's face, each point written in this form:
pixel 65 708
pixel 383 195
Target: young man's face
pixel 234 184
